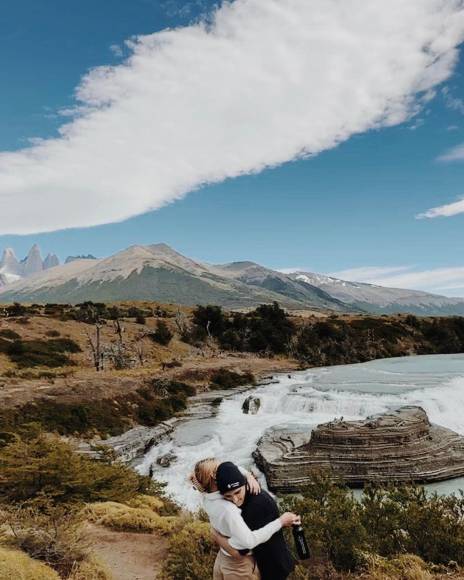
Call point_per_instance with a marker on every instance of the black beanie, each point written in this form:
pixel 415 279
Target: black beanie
pixel 229 477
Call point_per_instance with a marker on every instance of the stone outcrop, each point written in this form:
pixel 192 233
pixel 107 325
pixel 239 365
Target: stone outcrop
pixel 251 405
pixel 132 444
pixel 397 447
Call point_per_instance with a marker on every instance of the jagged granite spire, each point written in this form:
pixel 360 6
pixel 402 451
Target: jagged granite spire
pixel 33 262
pixel 9 263
pixel 51 261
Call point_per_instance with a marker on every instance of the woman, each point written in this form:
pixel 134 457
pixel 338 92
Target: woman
pixel 225 517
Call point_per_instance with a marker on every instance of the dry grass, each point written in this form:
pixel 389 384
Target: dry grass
pixel 404 567
pixel 91 569
pixel 148 502
pixel 124 518
pixel 16 565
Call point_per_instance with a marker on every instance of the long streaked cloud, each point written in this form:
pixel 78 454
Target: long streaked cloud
pixel 454 154
pixel 261 83
pixel 448 281
pixel 447 210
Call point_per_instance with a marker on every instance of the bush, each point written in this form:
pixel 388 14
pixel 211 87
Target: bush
pixel 331 517
pixel 15 565
pixel 52 534
pixel 226 379
pixel 406 519
pixel 148 405
pixel 387 523
pixel 52 333
pixel 191 554
pixel 162 335
pixel 46 465
pixel 10 334
pixel 50 353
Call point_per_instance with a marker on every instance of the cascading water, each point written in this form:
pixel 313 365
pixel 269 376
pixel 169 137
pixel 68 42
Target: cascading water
pixel 308 398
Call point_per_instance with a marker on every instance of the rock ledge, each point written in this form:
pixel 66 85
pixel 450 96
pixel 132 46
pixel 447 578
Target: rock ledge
pixel 396 447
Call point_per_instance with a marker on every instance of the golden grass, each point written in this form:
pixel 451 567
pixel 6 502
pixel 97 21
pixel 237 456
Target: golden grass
pixel 122 517
pixel 90 569
pixel 16 565
pixel 404 567
pixel 146 502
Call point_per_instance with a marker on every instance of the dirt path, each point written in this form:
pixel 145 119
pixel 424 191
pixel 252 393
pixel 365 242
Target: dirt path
pixel 129 556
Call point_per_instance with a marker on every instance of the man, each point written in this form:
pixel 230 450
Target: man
pixel 273 557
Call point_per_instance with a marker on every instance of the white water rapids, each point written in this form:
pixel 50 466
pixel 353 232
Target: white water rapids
pixel 308 398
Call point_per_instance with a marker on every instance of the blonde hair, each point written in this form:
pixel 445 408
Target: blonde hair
pixel 204 474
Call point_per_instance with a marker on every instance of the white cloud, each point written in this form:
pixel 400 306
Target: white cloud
pixel 368 273
pixel 265 82
pixel 446 210
pixel 454 154
pixel 116 50
pixel 448 281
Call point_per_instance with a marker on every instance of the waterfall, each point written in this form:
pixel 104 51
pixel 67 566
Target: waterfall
pixel 307 399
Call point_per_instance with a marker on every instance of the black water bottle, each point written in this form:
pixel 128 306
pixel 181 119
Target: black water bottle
pixel 300 542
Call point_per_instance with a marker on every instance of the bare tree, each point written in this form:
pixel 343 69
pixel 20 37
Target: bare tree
pixel 139 348
pixel 181 323
pixel 95 347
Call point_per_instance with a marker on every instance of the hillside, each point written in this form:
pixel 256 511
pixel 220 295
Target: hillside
pixel 157 272
pixel 383 300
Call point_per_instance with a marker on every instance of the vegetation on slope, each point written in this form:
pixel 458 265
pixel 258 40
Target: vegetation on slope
pixel 48 494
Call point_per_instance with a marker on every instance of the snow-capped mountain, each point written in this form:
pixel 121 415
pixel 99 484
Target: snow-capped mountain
pixel 381 299
pixel 12 270
pixel 157 272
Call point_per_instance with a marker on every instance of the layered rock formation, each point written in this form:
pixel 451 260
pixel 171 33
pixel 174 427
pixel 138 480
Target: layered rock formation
pixel 397 447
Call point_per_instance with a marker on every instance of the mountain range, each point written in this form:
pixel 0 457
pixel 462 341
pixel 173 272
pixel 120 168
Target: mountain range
pixel 157 272
pixel 11 269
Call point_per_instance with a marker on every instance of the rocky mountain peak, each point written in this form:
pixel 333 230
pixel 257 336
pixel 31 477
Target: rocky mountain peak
pixel 9 262
pixel 33 262
pixel 51 261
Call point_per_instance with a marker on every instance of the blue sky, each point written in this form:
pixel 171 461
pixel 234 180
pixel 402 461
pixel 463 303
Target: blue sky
pixel 346 209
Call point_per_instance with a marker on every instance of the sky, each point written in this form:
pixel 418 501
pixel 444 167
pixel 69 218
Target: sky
pixel 319 135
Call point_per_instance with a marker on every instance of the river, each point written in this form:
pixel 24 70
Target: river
pixel 308 398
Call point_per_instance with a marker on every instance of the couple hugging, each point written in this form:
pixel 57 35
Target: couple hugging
pixel 245 521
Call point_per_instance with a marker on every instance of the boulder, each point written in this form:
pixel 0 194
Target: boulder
pixel 166 459
pixel 251 405
pixel 401 446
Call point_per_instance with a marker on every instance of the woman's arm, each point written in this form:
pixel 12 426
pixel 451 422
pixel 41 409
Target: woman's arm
pixel 253 483
pixel 242 538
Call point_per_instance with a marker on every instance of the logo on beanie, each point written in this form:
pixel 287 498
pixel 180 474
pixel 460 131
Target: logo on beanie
pixel 233 485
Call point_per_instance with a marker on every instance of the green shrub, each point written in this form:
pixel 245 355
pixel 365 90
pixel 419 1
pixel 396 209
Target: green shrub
pixel 226 379
pixel 191 554
pixel 50 353
pixel 162 335
pixel 52 534
pixel 10 334
pixel 52 333
pixel 45 465
pixel 148 405
pixel 386 523
pixel 331 518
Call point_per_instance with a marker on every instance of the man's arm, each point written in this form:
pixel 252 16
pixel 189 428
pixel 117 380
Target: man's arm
pixel 223 542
